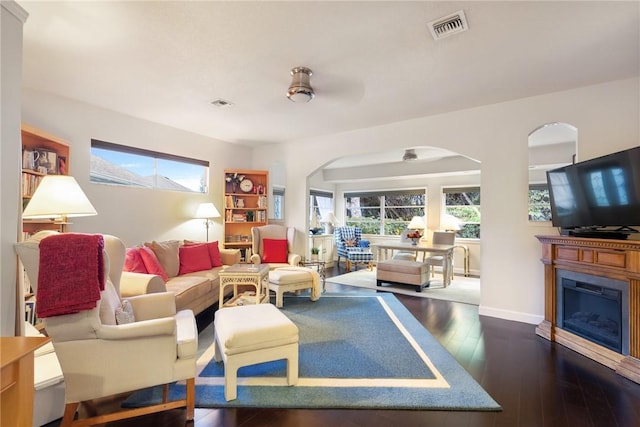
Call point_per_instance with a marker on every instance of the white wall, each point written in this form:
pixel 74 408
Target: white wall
pixel 605 115
pixel 135 215
pixel 12 18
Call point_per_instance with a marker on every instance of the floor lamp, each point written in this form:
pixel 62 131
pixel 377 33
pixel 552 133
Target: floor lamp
pixel 207 211
pixel 59 197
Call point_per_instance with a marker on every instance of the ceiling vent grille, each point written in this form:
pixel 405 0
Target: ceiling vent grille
pixel 448 25
pixel 221 103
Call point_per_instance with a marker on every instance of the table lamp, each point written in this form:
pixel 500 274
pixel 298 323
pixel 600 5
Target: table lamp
pixel 417 224
pixel 207 211
pixel 59 197
pixel 329 220
pixel 450 223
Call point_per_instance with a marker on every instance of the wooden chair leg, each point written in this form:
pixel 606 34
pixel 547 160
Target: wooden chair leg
pixel 69 414
pixel 68 419
pixel 165 393
pixel 191 398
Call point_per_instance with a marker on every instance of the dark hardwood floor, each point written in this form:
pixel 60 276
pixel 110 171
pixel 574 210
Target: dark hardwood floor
pixel 538 383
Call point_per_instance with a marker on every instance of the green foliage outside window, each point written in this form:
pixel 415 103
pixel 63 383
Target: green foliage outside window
pixel 464 204
pixel 384 214
pixel 539 203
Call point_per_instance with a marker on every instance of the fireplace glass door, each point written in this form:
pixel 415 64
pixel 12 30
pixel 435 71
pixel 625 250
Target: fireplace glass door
pixel 593 312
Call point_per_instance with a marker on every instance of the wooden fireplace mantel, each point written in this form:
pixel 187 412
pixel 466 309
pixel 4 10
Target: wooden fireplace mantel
pixel 615 259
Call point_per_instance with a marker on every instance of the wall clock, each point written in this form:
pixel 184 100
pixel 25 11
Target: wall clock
pixel 246 185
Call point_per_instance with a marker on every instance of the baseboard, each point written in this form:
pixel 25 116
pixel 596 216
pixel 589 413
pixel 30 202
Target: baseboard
pixel 516 316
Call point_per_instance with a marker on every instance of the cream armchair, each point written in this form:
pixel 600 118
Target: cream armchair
pixel 100 358
pixel 273 232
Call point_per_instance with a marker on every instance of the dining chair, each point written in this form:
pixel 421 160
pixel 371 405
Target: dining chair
pixel 441 238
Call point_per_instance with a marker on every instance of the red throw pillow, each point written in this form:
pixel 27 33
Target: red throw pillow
pixel 214 254
pixel 274 250
pixel 214 251
pixel 133 261
pixel 151 262
pixel 194 258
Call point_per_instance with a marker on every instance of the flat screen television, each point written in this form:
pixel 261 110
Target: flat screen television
pixel 593 196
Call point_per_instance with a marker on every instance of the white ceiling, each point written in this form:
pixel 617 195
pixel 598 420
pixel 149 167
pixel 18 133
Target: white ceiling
pixel 373 62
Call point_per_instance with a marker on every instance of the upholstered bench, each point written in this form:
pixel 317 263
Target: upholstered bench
pixel 293 279
pixel 250 334
pixel 403 272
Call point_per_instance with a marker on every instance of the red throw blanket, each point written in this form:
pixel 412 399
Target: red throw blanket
pixel 71 273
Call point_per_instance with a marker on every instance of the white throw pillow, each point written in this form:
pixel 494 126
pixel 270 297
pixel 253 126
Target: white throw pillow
pixel 125 315
pixel 109 303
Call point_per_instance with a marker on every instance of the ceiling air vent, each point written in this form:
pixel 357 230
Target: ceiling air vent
pixel 221 103
pixel 448 25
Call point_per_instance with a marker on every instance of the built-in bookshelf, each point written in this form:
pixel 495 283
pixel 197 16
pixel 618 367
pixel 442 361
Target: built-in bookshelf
pixel 245 206
pixel 42 154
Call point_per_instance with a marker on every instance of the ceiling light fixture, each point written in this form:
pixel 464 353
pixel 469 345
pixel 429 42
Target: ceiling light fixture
pixel 409 155
pixel 300 89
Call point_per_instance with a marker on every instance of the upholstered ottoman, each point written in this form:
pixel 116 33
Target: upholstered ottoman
pixel 364 256
pixel 250 334
pixel 403 272
pixel 293 279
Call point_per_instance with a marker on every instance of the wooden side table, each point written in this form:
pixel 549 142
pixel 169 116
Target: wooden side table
pixel 17 389
pixel 241 275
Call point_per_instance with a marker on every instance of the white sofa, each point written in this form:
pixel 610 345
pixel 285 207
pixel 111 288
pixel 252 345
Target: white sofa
pixel 195 291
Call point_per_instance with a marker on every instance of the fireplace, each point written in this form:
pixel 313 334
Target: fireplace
pixel 595 308
pixel 592 299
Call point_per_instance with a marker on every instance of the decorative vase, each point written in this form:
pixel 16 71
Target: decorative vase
pixel 414 241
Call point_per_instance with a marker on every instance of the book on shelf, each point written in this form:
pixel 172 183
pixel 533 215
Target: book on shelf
pixel 239 217
pixel 30 311
pixel 262 202
pixel 29 183
pixel 230 201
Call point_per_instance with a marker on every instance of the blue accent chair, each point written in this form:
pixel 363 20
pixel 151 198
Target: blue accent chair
pixel 358 253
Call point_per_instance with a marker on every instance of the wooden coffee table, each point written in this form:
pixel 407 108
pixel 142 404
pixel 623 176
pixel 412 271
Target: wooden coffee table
pixel 237 275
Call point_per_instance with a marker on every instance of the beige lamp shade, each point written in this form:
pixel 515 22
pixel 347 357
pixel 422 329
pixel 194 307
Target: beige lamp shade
pixel 330 218
pixel 417 223
pixel 450 223
pixel 207 210
pixel 58 196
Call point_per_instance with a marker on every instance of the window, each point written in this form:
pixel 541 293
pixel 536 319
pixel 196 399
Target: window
pixel 278 203
pixel 384 213
pixel 539 204
pixel 464 204
pixel 135 167
pixel 320 204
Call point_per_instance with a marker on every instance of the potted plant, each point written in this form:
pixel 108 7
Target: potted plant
pixel 314 254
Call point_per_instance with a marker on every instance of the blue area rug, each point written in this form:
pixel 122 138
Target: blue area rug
pixel 356 351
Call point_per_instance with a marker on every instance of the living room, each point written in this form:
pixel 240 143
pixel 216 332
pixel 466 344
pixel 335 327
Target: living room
pixel 605 113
